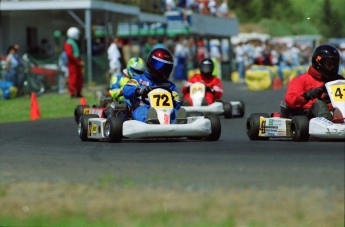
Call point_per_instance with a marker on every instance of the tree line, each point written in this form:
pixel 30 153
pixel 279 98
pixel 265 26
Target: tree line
pixel 292 17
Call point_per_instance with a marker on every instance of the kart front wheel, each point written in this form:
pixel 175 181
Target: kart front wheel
pixel 253 126
pixel 113 129
pixel 83 126
pixel 300 128
pixel 215 127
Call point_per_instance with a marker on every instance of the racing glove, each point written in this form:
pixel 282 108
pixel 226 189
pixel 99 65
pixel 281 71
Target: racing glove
pixel 209 89
pixel 142 91
pixel 313 93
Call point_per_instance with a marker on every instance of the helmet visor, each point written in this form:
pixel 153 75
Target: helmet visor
pixel 161 66
pixel 206 69
pixel 331 65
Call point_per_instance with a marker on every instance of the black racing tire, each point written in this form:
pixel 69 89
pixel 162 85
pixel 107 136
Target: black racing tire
pixel 83 126
pixel 216 127
pixel 113 129
pixel 227 110
pixel 78 111
pixel 241 109
pixel 300 129
pixel 253 126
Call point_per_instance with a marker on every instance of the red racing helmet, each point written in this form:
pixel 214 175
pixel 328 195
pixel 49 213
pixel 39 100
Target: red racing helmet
pixel 160 63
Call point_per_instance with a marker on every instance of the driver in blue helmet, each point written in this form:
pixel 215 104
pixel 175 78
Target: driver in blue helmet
pixel 159 65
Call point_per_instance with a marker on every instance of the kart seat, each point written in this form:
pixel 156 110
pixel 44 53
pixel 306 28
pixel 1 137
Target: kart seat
pixel 287 112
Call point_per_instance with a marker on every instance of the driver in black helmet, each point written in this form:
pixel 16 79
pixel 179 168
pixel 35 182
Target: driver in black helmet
pixel 306 93
pixel 214 86
pixel 159 65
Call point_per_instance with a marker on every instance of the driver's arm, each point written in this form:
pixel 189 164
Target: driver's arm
pixel 175 96
pixel 130 88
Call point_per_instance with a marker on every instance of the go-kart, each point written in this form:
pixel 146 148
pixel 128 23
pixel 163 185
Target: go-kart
pixel 197 93
pixel 95 109
pixel 261 126
pixel 116 126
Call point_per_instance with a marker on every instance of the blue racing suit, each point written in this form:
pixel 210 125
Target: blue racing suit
pixel 145 79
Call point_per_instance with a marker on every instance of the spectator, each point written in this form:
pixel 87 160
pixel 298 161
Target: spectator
pixel 240 60
pixel 46 49
pixel 216 56
pixel 181 55
pixel 223 9
pixel 212 6
pixel 170 5
pixel 114 56
pixel 74 63
pixel 63 77
pixel 12 65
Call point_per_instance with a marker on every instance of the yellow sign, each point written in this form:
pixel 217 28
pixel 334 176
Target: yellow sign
pixel 86 110
pixel 338 92
pixel 161 99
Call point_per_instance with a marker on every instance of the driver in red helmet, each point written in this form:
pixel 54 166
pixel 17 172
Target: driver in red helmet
pixel 306 93
pixel 214 86
pixel 159 65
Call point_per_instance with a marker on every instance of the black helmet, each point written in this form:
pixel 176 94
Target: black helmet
pixel 160 63
pixel 326 59
pixel 206 67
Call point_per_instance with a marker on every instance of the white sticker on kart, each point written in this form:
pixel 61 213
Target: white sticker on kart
pixel 197 88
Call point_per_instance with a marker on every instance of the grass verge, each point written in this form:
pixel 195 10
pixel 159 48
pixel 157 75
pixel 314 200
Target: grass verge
pixel 51 105
pixel 62 204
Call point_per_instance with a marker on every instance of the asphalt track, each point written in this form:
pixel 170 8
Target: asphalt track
pixel 50 150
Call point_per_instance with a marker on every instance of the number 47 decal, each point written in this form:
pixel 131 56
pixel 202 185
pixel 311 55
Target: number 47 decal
pixel 338 92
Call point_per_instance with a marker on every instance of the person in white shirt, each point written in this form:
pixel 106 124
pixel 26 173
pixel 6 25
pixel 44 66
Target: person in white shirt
pixel 114 56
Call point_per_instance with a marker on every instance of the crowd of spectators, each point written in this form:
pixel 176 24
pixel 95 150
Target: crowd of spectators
pixel 218 8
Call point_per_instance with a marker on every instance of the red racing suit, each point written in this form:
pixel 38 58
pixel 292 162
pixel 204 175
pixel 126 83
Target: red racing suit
pixel 300 84
pixel 214 83
pixel 75 67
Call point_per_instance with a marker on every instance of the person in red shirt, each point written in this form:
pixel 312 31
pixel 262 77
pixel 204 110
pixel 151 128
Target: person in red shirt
pixel 74 63
pixel 214 86
pixel 306 94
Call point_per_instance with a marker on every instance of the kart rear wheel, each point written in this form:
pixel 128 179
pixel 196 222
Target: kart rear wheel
pixel 253 126
pixel 78 111
pixel 83 125
pixel 241 108
pixel 300 128
pixel 113 129
pixel 227 110
pixel 216 128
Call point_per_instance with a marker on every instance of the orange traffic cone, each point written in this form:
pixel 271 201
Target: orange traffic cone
pixel 35 109
pixel 277 84
pixel 83 101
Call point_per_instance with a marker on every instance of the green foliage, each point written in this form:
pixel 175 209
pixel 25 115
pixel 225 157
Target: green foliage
pixel 294 17
pixel 52 105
